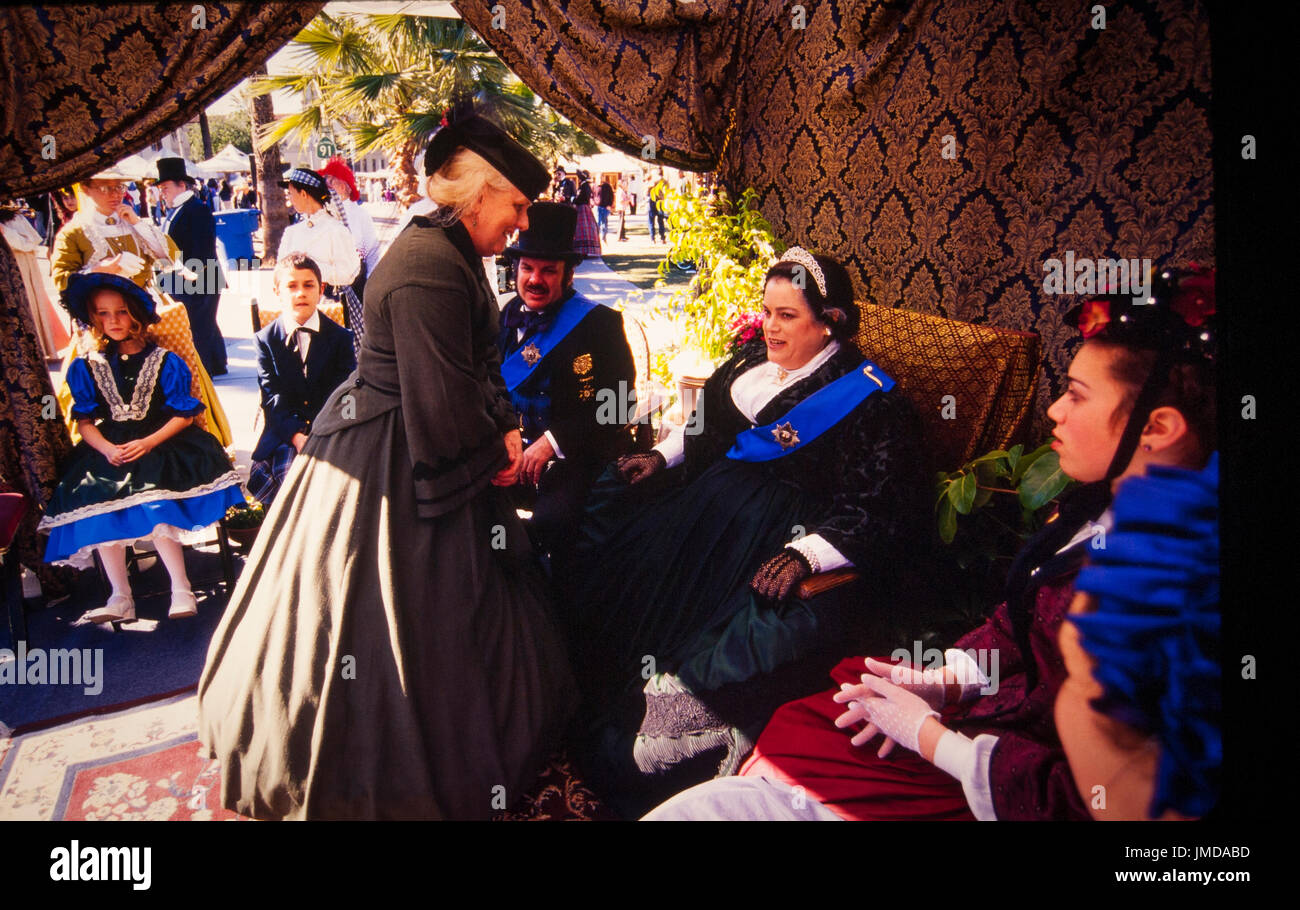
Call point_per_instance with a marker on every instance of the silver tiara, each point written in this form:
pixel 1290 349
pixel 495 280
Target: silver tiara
pixel 804 258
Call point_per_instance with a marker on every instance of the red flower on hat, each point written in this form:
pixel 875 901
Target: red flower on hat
pixel 1094 317
pixel 1194 299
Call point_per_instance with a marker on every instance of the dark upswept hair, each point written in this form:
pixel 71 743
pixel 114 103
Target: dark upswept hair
pixel 297 261
pixel 1188 388
pixel 836 309
pixel 1164 350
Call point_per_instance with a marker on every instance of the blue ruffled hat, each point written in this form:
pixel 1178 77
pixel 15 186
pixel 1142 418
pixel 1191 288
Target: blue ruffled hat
pixel 81 286
pixel 1155 632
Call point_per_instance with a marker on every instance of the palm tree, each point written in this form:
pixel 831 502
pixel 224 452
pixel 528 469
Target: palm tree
pixel 266 163
pixel 386 81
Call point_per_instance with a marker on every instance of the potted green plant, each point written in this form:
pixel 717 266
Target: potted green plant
pixel 986 510
pixel 243 523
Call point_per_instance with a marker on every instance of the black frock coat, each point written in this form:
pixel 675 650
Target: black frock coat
pixel 194 230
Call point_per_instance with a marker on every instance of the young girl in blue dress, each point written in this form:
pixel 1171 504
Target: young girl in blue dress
pixel 142 469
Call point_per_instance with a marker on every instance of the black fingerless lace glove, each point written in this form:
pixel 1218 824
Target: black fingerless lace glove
pixel 636 468
pixel 777 577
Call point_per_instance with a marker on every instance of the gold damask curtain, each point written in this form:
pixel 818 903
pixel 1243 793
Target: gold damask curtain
pixel 1063 136
pixel 84 87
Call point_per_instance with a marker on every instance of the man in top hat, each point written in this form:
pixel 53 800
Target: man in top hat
pixel 189 223
pixel 570 374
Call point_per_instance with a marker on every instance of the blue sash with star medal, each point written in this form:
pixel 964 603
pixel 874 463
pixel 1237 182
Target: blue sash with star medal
pixel 811 417
pixel 520 365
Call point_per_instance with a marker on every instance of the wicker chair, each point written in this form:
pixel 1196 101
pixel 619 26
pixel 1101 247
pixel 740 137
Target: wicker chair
pixel 988 372
pixel 262 317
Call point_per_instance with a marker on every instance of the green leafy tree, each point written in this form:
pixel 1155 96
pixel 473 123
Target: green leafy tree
pixel 226 129
pixel 384 81
pixel 731 246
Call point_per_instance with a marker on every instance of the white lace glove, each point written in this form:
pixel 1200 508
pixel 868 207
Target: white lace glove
pixel 936 684
pixel 928 684
pixel 888 709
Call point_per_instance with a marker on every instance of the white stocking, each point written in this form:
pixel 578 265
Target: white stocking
pixel 113 556
pixel 173 557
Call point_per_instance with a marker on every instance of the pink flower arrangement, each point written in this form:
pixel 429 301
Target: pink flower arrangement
pixel 744 328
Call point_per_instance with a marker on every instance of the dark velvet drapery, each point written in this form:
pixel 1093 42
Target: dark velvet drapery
pixel 1063 136
pixel 83 87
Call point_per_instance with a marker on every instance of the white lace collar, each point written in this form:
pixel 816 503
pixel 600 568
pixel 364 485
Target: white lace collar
pixel 118 409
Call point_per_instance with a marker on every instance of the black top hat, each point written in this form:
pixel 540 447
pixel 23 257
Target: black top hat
pixel 466 129
pixel 173 169
pixel 550 233
pixel 82 286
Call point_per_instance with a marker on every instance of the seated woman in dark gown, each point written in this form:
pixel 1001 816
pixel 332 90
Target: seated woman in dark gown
pixel 800 457
pixel 979 737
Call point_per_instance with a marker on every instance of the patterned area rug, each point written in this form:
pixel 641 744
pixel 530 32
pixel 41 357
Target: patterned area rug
pixel 139 764
pixel 145 763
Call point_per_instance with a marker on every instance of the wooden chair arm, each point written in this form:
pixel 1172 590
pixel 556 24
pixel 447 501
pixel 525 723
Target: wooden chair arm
pixel 825 581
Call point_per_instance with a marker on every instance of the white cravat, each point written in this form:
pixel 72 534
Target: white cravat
pixel 291 326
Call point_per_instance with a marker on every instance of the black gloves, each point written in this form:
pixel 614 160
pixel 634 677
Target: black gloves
pixel 636 468
pixel 777 577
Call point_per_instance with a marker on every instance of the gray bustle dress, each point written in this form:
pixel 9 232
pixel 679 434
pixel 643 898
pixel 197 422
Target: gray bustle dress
pixel 389 651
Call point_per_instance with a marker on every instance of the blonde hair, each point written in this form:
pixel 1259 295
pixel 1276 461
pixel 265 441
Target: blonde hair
pixel 460 183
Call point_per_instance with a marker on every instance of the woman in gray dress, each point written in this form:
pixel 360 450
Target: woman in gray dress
pixel 388 651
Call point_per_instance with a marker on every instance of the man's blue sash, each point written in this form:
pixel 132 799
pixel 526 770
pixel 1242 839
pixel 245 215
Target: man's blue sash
pixel 520 365
pixel 811 417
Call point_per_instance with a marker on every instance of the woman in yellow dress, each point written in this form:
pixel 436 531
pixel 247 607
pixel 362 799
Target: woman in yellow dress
pixel 106 235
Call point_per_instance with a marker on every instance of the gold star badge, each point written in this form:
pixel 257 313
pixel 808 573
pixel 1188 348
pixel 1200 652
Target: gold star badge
pixel 532 354
pixel 582 364
pixel 786 435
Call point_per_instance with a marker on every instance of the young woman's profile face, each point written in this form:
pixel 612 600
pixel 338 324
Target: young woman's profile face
pixel 1087 431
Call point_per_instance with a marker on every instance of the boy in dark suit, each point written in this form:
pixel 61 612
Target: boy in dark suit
pixel 301 358
pixel 570 374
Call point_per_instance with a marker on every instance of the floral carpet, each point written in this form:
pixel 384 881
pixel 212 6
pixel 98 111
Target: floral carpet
pixel 145 763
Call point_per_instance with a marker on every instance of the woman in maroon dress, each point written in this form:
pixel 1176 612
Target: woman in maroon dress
pixel 979 733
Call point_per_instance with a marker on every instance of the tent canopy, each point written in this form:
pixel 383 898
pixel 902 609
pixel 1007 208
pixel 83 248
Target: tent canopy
pixel 227 160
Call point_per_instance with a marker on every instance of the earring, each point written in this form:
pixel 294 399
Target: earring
pixel 1146 447
pixel 828 331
